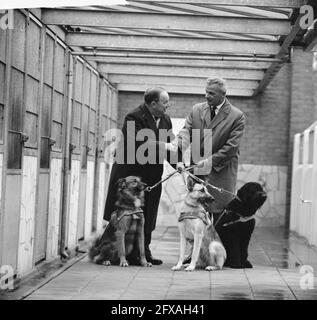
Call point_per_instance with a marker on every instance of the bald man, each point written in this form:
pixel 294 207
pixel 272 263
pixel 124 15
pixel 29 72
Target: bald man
pixel 150 115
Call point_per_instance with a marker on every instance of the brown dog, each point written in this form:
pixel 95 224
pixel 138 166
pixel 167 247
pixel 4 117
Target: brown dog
pixel 125 230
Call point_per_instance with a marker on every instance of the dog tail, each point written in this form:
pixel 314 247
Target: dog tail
pixel 94 249
pixel 218 251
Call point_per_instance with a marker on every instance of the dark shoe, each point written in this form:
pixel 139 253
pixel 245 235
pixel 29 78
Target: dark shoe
pixel 154 261
pixel 248 265
pixel 149 257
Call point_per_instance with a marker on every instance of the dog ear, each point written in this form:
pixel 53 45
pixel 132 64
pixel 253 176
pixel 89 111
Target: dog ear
pixel 121 183
pixel 246 191
pixel 261 198
pixel 190 184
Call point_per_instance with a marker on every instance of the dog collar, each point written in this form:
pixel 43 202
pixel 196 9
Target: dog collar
pixel 202 215
pixel 225 211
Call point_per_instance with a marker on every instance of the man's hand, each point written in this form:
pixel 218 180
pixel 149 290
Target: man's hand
pixel 180 166
pixel 202 163
pixel 104 224
pixel 203 167
pixel 172 147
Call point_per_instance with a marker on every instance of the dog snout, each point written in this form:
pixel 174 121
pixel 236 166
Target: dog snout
pixel 144 185
pixel 206 199
pixel 141 186
pixel 263 195
pixel 209 196
pixel 209 199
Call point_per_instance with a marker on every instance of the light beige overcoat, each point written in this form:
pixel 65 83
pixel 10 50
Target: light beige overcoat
pixel 227 128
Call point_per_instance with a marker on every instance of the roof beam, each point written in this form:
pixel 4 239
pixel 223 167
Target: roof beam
pixel 181 71
pixel 135 20
pixel 145 54
pixel 153 80
pixel 168 43
pixel 256 3
pixel 180 62
pixel 183 89
pixel 283 53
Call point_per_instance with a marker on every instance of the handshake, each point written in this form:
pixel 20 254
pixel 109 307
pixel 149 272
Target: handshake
pixel 180 166
pixel 173 147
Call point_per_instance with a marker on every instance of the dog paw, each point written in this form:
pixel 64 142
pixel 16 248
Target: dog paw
pixel 144 263
pixel 190 268
pixel 177 268
pixel 211 268
pixel 124 264
pixel 107 263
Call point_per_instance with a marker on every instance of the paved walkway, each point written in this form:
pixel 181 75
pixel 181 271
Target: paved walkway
pixel 277 260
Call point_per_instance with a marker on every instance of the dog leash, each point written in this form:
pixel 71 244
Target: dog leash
pixel 222 214
pixel 220 190
pixel 241 219
pixel 149 189
pixel 187 170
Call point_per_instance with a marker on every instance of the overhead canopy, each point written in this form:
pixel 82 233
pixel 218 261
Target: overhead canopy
pixel 177 44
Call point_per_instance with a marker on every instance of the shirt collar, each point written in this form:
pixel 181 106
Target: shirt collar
pixel 219 106
pixel 155 118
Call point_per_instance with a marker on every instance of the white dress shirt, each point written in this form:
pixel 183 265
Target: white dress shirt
pixel 219 107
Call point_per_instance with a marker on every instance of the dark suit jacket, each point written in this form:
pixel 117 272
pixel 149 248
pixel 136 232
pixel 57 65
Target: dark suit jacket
pixel 150 173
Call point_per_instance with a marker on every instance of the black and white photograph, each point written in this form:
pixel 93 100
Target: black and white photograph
pixel 156 155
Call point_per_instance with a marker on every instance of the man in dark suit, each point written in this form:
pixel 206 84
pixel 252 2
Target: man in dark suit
pixel 151 116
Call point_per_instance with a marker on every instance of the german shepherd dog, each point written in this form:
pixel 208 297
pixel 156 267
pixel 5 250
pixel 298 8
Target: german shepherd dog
pixel 236 224
pixel 196 228
pixel 125 230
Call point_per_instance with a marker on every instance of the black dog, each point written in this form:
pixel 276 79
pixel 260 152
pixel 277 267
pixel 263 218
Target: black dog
pixel 125 231
pixel 236 224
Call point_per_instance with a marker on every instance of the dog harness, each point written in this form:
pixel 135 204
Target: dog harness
pixel 202 215
pixel 241 218
pixel 137 214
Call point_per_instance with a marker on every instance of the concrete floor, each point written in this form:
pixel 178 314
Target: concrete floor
pixel 277 260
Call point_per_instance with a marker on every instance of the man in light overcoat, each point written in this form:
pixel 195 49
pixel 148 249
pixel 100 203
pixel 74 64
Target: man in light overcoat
pixel 226 124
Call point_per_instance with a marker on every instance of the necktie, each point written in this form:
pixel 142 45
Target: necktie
pixel 212 112
pixel 157 121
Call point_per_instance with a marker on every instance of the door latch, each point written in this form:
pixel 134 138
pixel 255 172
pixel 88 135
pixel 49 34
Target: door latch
pixel 306 201
pixel 72 147
pixel 51 141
